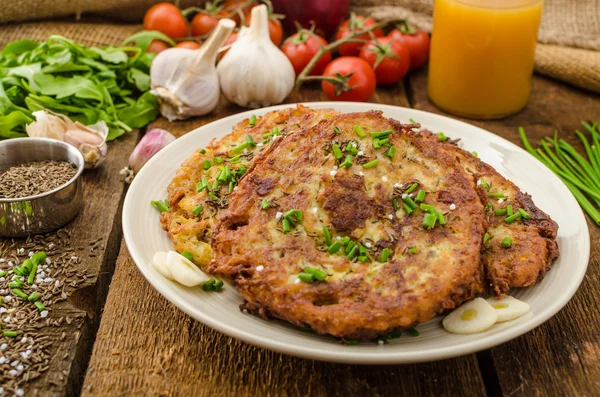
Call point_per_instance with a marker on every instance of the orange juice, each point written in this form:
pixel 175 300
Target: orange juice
pixel 482 54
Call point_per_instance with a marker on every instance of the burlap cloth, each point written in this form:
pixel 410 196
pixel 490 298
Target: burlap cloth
pixel 569 36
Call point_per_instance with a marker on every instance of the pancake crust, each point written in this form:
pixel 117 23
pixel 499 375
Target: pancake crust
pixel 534 247
pixel 427 272
pixel 193 233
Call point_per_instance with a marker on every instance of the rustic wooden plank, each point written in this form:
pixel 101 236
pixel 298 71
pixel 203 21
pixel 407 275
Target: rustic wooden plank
pixel 100 218
pixel 561 357
pixel 145 345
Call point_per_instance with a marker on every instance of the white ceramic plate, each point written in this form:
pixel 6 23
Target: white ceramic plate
pixel 144 236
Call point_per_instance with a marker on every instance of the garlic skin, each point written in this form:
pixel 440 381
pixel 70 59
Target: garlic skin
pixel 255 72
pixel 89 140
pixel 184 81
pixel 152 142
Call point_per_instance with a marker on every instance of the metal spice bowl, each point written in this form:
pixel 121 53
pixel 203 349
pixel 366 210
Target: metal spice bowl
pixel 46 211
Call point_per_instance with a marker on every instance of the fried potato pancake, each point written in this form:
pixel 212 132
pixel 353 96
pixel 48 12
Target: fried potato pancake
pixel 200 190
pixel 534 247
pixel 344 243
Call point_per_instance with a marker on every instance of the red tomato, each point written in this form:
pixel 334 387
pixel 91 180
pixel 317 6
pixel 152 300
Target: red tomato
pixel 234 5
pixel 275 30
pixel 190 45
pixel 417 42
pixel 359 86
pixel 166 18
pixel 157 46
pixel 230 40
pixel 394 63
pixel 203 23
pixel 301 47
pixel 348 27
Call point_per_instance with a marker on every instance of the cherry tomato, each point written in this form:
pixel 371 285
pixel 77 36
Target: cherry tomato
pixel 203 23
pixel 190 45
pixel 275 30
pixel 157 46
pixel 230 40
pixel 234 5
pixel 301 47
pixel 359 86
pixel 417 42
pixel 352 25
pixel 392 59
pixel 166 18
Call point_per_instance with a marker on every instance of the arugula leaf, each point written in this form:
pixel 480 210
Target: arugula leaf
pixel 139 78
pixel 12 123
pixel 27 71
pixel 141 113
pixel 111 55
pixel 60 57
pixel 66 67
pixel 63 87
pixel 144 38
pixel 19 47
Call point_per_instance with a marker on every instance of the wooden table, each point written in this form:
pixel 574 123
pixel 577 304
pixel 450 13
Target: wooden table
pixel 145 346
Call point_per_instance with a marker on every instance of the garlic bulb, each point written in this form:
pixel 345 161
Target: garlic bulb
pixel 254 72
pixel 184 81
pixel 90 140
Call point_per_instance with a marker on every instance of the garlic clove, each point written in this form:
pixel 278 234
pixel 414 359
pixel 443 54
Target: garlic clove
pixel 508 308
pixel 159 262
pixel 47 125
pixel 472 317
pixel 184 81
pixel 184 271
pixel 255 72
pixel 152 142
pixel 90 142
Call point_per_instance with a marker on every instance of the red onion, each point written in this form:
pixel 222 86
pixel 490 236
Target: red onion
pixel 326 14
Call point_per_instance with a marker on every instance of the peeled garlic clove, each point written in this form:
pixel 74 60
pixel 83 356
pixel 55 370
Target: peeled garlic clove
pixel 508 308
pixel 149 145
pixel 184 271
pixel 472 317
pixel 159 262
pixel 185 82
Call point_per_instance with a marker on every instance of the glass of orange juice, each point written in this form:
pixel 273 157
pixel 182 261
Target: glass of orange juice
pixel 482 54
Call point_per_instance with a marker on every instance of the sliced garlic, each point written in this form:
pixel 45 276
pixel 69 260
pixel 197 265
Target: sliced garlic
pixel 184 271
pixel 508 308
pixel 159 262
pixel 472 317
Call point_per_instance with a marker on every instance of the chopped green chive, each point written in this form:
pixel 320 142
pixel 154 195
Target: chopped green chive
pixel 352 342
pixel 524 213
pixel 275 131
pixel 509 210
pixel 486 238
pixel 407 209
pixel 380 134
pixel 202 151
pixel 16 283
pixel 161 205
pixel 501 211
pixel 349 245
pixel 335 247
pixel 327 235
pixel 213 196
pixel 412 121
pixel 187 255
pixel 441 137
pixel 359 131
pixel 218 286
pixel 429 221
pixel 353 252
pixel 391 151
pixel 496 195
pixel 484 184
pixel 231 186
pixel 371 164
pixel 286 226
pixel 26 266
pixel 420 196
pixel 363 258
pixel 198 210
pixel 347 162
pixel 512 218
pixel 240 148
pixel 38 257
pixel 474 154
pixel 265 204
pixel 212 285
pixel 10 334
pixel 250 141
pixel 316 273
pixel 506 242
pixel 395 204
pixel 218 160
pixel 350 147
pixel 19 293
pixel 200 186
pixel 3 273
pixel 17 271
pixel 409 201
pixel 337 152
pixel 306 277
pixel 441 219
pixel 413 250
pixel 235 159
pixel 215 185
pixel 337 130
pixel 412 188
pixel 488 206
pixel 413 332
pixel 385 254
pixel 206 165
pixel 252 120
